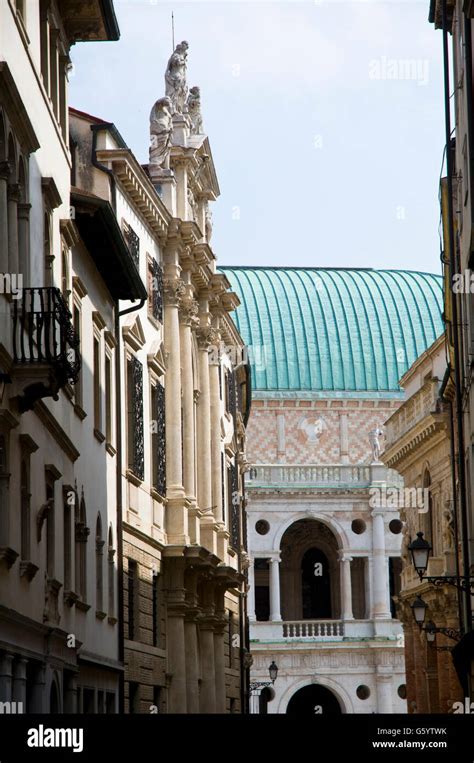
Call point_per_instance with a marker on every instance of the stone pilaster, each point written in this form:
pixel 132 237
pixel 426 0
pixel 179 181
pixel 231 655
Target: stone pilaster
pixel 13 196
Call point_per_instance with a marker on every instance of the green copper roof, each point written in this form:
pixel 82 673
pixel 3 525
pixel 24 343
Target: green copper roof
pixel 333 329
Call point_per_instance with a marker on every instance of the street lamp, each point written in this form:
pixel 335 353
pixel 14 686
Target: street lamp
pixel 420 551
pixel 273 670
pixel 419 608
pixel 257 685
pixel 430 629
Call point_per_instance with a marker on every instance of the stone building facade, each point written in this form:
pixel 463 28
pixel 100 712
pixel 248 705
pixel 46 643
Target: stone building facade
pixel 185 391
pixel 327 347
pixel 418 446
pixel 59 633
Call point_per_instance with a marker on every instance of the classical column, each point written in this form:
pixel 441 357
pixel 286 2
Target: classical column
pixel 6 663
pixel 19 681
pixel 13 200
pixel 38 694
pixel 275 615
pixel 251 592
pixel 219 663
pixel 176 515
pixel 214 391
pixel 188 316
pixel 204 422
pixel 383 683
pixel 70 694
pixel 176 641
pixel 192 663
pixel 281 439
pixel 4 175
pixel 208 670
pixel 380 583
pixel 346 587
pixel 24 240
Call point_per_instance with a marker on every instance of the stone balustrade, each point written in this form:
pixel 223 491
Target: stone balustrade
pixel 314 475
pixel 313 629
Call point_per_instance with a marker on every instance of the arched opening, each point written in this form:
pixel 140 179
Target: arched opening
pixel 314 700
pixel 54 706
pixel 310 572
pixel 99 574
pixel 315 585
pixel 81 535
pixel 111 574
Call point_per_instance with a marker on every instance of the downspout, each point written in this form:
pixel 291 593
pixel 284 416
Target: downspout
pixel 457 353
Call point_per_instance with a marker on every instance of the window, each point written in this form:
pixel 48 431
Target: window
pixel 158 438
pixel 50 539
pixel 133 243
pixel 155 290
pixel 133 697
pixel 99 573
pixel 135 436
pixel 111 573
pixel 76 318
pixel 156 609
pixel 132 599
pixel 68 506
pixel 48 256
pixel 97 391
pixel 81 535
pixel 65 285
pixel 25 508
pixel 108 398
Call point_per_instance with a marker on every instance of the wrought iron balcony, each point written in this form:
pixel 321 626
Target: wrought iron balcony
pixel 46 349
pixel 133 243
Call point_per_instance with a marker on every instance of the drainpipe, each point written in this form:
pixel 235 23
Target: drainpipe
pixel 456 338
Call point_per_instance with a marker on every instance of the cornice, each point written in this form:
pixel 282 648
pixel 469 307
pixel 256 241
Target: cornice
pixel 433 427
pixel 139 187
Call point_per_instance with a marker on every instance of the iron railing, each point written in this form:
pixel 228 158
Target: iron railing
pixel 43 333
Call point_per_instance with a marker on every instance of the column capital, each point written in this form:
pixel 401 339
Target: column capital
pixel 344 556
pixel 188 311
pixel 207 336
pixel 5 170
pixel 174 290
pixel 24 211
pixel 14 192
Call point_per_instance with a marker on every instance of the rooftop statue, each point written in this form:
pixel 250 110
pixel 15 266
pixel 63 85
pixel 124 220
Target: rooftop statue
pixel 374 439
pixel 161 129
pixel 194 110
pixel 175 78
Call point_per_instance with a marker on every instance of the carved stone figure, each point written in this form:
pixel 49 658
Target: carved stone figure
pixel 175 78
pixel 192 205
pixel 208 223
pixel 448 530
pixel 194 110
pixel 161 129
pixel 374 439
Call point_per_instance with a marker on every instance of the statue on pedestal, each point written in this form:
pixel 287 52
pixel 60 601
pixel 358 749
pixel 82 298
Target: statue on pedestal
pixel 161 129
pixel 193 105
pixel 374 439
pixel 175 78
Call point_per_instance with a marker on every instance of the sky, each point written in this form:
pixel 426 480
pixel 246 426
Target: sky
pixel 325 120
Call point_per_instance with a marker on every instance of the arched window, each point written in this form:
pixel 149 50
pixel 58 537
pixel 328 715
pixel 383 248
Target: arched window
pixel 111 573
pixel 25 508
pixel 99 574
pixel 47 250
pixel 81 535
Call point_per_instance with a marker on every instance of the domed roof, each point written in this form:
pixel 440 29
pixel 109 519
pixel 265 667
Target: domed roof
pixel 331 329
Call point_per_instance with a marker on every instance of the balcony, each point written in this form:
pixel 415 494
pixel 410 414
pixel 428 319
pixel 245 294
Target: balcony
pixel 314 630
pixel 313 475
pixel 46 353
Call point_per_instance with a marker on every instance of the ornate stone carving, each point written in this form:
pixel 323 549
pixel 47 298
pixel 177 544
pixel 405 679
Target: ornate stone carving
pixel 174 291
pixel 175 78
pixel 189 310
pixel 194 110
pixel 208 223
pixel 448 529
pixel 192 205
pixel 208 336
pixel 161 130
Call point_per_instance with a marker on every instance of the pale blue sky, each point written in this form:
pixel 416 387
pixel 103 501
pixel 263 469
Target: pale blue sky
pixel 325 120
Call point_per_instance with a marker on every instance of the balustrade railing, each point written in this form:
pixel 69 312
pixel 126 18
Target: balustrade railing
pixel 313 629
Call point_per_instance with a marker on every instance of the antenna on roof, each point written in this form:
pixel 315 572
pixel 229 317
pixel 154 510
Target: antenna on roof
pixel 172 28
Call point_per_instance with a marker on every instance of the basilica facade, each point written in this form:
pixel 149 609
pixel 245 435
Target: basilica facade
pixel 327 348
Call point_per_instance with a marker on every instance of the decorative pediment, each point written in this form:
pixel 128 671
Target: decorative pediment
pixel 156 358
pixel 133 333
